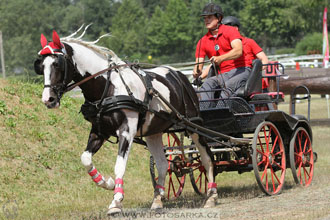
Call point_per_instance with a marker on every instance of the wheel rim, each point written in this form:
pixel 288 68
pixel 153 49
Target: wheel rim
pixel 268 158
pixel 198 177
pixel 301 157
pixel 173 184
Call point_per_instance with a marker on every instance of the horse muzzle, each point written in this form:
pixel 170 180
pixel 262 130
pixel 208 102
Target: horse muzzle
pixel 50 99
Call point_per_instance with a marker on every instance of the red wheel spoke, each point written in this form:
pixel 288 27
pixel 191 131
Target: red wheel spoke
pixel 260 144
pixel 264 172
pixel 279 182
pixel 266 180
pixel 261 153
pixel 305 145
pixel 274 144
pixel 170 185
pixel 206 182
pixel 296 154
pixel 272 175
pixel 201 181
pixel 261 162
pixel 299 170
pixel 199 177
pixel 280 152
pixel 278 165
pixel 309 163
pixel 179 181
pixel 299 142
pixel 267 139
pixel 295 147
pixel 306 172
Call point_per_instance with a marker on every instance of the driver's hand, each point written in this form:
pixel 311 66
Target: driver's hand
pixel 216 59
pixel 196 73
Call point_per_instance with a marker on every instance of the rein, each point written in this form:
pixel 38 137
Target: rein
pixel 72 86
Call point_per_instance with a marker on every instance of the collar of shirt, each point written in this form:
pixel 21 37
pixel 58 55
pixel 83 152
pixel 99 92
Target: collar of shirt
pixel 220 31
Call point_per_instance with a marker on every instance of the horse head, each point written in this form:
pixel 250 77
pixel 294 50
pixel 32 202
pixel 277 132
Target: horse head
pixel 53 64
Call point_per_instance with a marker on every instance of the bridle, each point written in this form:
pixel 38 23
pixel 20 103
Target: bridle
pixel 62 60
pixel 59 88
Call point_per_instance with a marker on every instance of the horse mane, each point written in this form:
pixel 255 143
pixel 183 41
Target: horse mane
pixel 90 44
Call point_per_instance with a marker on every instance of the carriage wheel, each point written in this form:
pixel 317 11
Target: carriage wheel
pixel 268 158
pixel 197 173
pixel 301 157
pixel 175 179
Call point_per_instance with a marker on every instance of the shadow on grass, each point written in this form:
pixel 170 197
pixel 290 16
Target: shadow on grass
pixel 192 200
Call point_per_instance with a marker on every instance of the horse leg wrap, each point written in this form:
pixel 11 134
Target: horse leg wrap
pixel 212 195
pixel 212 188
pixel 160 189
pixel 100 180
pixel 116 205
pixel 119 183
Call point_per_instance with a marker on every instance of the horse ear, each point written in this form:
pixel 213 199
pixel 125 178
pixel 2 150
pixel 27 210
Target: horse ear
pixel 56 39
pixel 43 41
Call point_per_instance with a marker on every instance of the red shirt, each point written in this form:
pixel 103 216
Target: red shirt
pixel 250 50
pixel 211 46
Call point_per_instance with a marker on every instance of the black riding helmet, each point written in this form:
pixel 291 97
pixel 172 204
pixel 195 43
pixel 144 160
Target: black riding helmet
pixel 231 21
pixel 212 9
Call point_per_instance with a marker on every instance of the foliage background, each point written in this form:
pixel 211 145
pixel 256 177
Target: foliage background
pixel 167 30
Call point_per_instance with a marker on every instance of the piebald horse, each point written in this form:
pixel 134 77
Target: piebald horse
pixel 72 59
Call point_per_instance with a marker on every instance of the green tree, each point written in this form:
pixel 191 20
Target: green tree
pixel 282 22
pixel 156 36
pixel 310 44
pixel 128 30
pixel 22 22
pixel 173 39
pixel 151 5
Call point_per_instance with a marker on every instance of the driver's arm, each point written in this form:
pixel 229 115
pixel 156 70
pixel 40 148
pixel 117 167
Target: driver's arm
pixel 235 52
pixel 198 68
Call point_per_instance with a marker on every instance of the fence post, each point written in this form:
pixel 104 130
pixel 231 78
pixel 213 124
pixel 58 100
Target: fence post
pixel 2 56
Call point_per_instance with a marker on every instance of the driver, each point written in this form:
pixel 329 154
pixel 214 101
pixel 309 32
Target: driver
pixel 222 44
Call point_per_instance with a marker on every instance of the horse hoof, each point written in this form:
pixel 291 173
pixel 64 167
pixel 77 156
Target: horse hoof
pixel 114 211
pixel 110 184
pixel 157 203
pixel 211 200
pixel 210 203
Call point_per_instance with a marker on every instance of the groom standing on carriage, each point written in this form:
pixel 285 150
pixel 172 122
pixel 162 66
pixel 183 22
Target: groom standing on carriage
pixel 223 46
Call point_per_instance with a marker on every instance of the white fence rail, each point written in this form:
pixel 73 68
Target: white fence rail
pixel 287 60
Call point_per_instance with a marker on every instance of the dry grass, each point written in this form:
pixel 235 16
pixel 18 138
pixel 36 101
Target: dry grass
pixel 42 176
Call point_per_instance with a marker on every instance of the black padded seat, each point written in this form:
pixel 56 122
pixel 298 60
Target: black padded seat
pixel 254 83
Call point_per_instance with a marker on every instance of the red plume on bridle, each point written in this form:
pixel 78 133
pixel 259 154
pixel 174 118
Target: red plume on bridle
pixel 53 47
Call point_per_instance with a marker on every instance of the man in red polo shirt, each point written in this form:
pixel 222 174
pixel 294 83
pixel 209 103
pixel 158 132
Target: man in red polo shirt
pixel 251 49
pixel 222 45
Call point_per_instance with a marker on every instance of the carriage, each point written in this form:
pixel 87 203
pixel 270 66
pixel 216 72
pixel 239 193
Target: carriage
pixel 127 101
pixel 270 140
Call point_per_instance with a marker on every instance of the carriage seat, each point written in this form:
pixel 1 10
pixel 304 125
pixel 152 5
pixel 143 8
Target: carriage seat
pixel 254 82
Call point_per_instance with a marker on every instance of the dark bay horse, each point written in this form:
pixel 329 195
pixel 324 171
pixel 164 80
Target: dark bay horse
pixel 124 88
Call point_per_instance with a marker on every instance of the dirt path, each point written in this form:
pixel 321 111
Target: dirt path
pixel 296 203
pixel 293 203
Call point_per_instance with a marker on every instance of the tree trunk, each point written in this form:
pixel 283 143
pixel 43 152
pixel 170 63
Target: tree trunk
pixel 315 84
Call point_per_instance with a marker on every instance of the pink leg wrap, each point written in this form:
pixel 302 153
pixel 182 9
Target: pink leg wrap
pixel 211 185
pixel 96 176
pixel 119 186
pixel 160 187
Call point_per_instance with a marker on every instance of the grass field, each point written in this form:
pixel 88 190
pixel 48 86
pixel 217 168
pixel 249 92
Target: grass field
pixel 42 176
